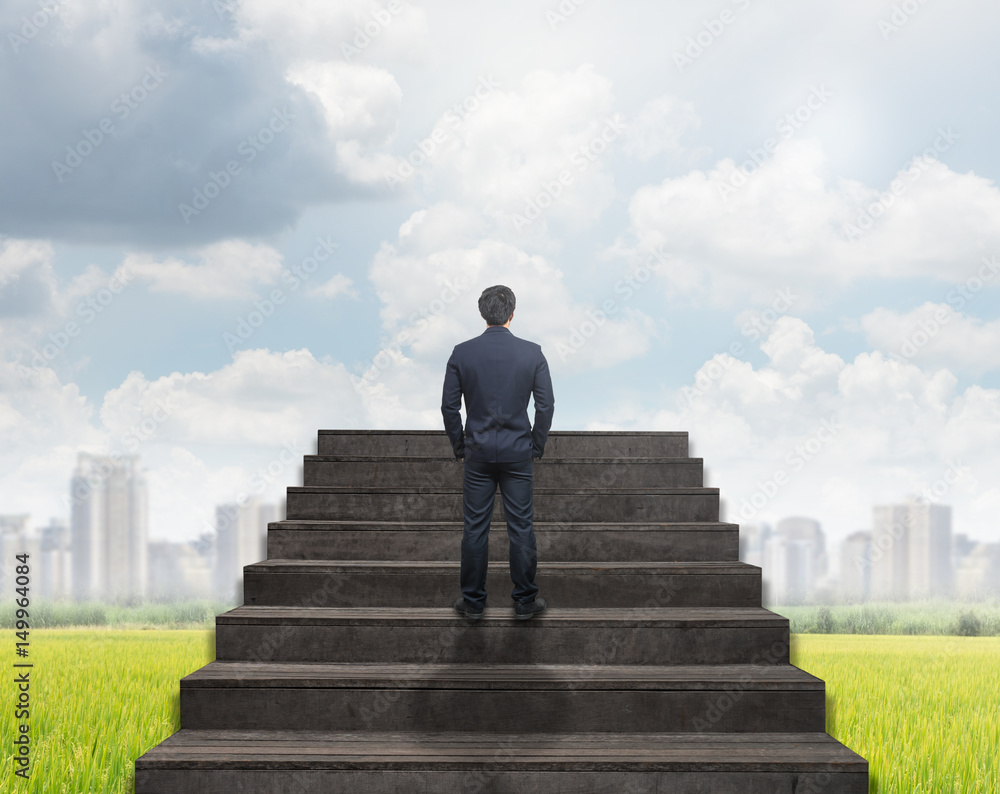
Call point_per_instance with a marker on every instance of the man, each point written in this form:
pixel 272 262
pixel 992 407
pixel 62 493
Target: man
pixel 497 372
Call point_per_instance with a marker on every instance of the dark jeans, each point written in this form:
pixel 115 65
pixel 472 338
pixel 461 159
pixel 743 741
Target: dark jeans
pixel 479 487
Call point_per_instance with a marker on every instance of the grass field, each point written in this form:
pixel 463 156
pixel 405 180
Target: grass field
pixel 922 710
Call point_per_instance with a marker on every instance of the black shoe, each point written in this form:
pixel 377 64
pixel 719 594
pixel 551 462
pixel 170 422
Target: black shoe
pixel 529 610
pixel 466 610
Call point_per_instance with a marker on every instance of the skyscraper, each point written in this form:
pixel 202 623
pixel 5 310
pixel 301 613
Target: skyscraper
pixel 855 566
pixel 240 539
pixel 911 550
pixel 110 525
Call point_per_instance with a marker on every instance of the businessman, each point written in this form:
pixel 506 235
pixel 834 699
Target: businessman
pixel 497 372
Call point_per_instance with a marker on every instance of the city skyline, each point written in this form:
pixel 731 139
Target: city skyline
pixel 910 551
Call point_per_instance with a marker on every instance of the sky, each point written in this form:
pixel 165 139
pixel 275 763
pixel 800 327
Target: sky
pixel 225 224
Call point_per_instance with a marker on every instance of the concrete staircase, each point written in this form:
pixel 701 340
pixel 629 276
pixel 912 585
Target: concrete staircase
pixel 654 669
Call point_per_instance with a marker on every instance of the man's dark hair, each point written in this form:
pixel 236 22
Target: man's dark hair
pixel 496 304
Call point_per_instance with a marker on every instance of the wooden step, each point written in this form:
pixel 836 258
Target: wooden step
pixel 283 762
pixel 584 584
pixel 508 698
pixel 550 504
pixel 394 471
pixel 560 635
pixel 555 540
pixel 561 443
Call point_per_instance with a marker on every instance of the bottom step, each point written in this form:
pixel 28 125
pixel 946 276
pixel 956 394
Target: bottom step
pixel 301 762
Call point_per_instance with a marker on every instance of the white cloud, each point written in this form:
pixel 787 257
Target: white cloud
pixel 517 143
pixel 231 269
pixel 309 29
pixel 873 428
pixel 659 125
pixel 934 335
pixel 430 295
pixel 335 287
pixel 359 101
pixel 787 223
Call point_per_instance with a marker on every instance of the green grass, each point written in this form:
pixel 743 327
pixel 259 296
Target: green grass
pixel 973 618
pixel 922 710
pixel 99 700
pixel 193 614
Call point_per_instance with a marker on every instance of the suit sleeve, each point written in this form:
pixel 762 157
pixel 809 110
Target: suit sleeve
pixel 451 404
pixel 541 392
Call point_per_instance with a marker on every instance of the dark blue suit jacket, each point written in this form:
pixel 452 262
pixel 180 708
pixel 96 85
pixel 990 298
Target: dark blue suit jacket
pixel 497 372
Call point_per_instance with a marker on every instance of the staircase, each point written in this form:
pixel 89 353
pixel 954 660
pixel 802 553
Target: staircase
pixel 654 669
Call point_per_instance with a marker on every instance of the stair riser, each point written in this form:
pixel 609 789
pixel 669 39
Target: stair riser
pixel 620 545
pixel 520 711
pixel 583 590
pixel 567 508
pixel 437 444
pixel 555 474
pixel 304 780
pixel 527 642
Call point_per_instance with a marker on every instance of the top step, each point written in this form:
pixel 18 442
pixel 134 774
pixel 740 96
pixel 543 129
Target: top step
pixel 561 443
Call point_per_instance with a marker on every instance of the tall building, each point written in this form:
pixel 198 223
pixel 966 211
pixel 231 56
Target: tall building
pixel 240 539
pixel 911 550
pixel 855 566
pixel 55 571
pixel 788 570
pixel 110 525
pixel 930 565
pixel 16 538
pixel 752 540
pixel 809 532
pixel 178 571
pixel 978 573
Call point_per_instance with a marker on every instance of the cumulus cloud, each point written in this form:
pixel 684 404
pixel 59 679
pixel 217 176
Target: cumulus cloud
pixel 551 134
pixel 794 435
pixel 935 335
pixel 335 287
pixel 216 429
pixel 734 235
pixel 657 128
pixel 231 269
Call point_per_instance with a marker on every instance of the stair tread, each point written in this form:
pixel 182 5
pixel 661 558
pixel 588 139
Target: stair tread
pixel 501 676
pixel 451 566
pixel 546 526
pixel 190 748
pixel 545 460
pixel 446 616
pixel 432 489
